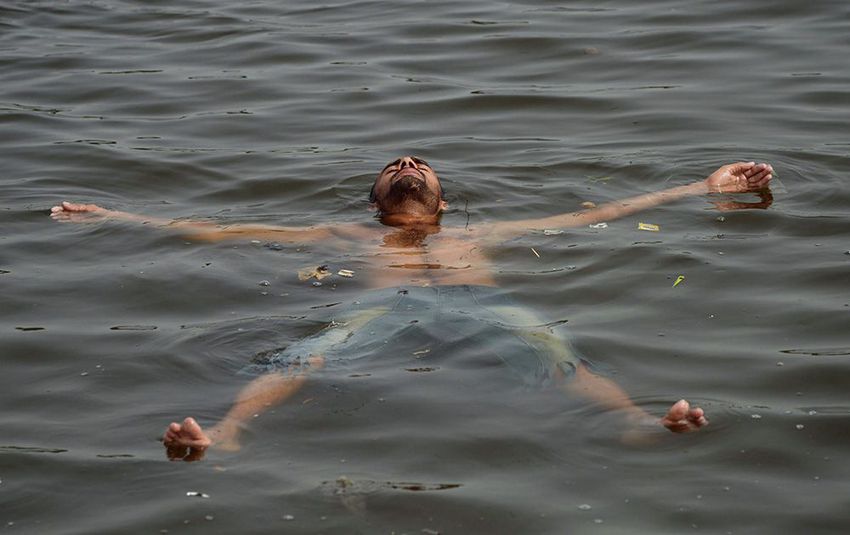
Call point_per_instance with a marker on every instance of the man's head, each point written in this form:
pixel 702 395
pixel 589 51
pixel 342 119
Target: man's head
pixel 408 186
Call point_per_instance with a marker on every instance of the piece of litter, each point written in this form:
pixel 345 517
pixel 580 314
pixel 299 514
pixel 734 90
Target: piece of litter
pixel 535 252
pixel 345 273
pixel 585 507
pixel 548 232
pixel 679 279
pixel 648 226
pixel 317 273
pixel 288 517
pixel 588 204
pixel 196 494
pixel 255 242
pixel 599 225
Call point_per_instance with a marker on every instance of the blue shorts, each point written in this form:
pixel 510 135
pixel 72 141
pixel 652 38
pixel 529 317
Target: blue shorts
pixel 430 323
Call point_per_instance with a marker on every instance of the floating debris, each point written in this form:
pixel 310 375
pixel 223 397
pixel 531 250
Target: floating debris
pixel 288 517
pixel 326 305
pixel 800 426
pixel 588 204
pixel 345 273
pixel 317 273
pixel 274 246
pixel 196 494
pixel 133 328
pixel 422 370
pixel 679 280
pixel 648 226
pixel 317 284
pixel 264 283
pixel 552 232
pixel 585 507
pixel 818 352
pixel 30 328
pixel 535 252
pixel 599 225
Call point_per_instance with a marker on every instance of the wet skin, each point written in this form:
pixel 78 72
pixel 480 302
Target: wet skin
pixel 408 246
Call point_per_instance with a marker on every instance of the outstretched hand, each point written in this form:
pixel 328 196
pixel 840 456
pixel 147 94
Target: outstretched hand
pixel 740 177
pixel 77 213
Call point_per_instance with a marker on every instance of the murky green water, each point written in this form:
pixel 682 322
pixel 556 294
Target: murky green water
pixel 282 113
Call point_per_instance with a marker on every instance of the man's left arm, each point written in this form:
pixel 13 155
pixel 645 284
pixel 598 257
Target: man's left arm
pixel 738 177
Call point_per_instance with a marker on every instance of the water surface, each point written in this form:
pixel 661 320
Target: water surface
pixel 282 114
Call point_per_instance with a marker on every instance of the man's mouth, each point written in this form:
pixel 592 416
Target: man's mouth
pixel 408 171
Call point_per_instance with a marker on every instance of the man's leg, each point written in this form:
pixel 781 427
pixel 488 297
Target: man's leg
pixel 188 441
pixel 681 418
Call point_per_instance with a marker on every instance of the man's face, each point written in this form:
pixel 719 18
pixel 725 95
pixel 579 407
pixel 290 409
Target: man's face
pixel 408 186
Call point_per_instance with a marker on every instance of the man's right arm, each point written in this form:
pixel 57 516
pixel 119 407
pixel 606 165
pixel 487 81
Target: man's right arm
pixel 198 230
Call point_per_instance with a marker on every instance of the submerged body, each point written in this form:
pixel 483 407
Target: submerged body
pixel 440 277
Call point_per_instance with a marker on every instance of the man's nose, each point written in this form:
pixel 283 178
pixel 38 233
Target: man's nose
pixel 407 161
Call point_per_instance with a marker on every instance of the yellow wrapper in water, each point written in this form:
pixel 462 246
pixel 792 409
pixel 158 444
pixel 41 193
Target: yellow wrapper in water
pixel 648 226
pixel 679 279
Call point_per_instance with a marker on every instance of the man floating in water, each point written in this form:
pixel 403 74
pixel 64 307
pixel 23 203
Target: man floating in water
pixel 428 277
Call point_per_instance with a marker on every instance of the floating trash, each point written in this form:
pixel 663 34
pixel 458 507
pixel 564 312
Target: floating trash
pixel 648 226
pixel 588 204
pixel 585 507
pixel 317 273
pixel 196 494
pixel 345 273
pixel 535 252
pixel 552 232
pixel 264 283
pixel 599 225
pixel 679 280
pixel 133 328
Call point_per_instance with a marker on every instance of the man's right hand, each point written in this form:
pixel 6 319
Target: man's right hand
pixel 740 177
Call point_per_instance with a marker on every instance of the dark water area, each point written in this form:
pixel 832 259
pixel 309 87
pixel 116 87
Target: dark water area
pixel 282 113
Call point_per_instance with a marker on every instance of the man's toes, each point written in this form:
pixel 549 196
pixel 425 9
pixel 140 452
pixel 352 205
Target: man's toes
pixel 192 428
pixel 678 410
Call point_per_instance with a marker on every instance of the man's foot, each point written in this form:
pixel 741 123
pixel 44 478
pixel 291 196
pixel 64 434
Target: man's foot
pixel 186 441
pixel 681 418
